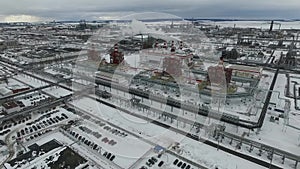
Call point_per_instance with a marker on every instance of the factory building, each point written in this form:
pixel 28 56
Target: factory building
pixel 18 88
pixel 7 44
pixel 219 75
pixel 5 91
pixel 116 57
pixel 172 66
pixel 11 107
pixel 246 71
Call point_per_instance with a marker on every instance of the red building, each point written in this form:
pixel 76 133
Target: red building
pixel 18 88
pixel 219 75
pixel 116 57
pixel 11 107
pixel 172 65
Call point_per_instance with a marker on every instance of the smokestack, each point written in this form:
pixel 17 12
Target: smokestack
pixel 221 61
pixel 165 45
pixel 156 44
pixel 271 26
pixel 181 45
pixel 116 47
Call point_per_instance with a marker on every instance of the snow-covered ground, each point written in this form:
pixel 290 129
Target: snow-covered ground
pixel 133 60
pixel 278 134
pixel 30 81
pixel 269 130
pixel 11 82
pixel 294 114
pixel 258 24
pixel 124 155
pixel 57 92
pixel 161 136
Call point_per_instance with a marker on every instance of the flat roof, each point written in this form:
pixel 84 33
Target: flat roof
pixel 245 68
pixel 10 105
pixel 17 86
pixel 4 91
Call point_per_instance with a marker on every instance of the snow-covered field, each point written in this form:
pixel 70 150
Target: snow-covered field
pixel 57 92
pixel 30 81
pixel 124 156
pixel 163 137
pixel 258 24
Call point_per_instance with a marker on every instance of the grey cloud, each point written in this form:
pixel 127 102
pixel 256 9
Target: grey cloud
pixel 86 9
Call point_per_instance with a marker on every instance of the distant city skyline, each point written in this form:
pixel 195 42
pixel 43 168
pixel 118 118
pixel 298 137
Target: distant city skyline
pixel 47 10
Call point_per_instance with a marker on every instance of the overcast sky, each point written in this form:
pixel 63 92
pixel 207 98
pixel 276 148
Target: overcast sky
pixel 93 9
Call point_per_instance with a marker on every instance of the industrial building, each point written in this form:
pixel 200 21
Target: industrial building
pixel 11 107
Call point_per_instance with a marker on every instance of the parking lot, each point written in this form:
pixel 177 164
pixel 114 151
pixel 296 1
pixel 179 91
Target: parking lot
pixel 163 160
pixel 42 123
pixel 115 145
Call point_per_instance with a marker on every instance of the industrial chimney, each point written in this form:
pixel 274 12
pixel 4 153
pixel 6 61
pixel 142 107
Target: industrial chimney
pixel 271 26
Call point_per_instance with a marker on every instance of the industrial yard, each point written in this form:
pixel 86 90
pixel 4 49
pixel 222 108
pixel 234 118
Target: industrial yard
pixel 186 94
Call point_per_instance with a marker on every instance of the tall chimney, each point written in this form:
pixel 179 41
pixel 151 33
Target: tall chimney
pixel 271 26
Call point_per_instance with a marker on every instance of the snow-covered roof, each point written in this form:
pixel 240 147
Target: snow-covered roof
pixel 4 91
pixel 10 105
pixel 246 68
